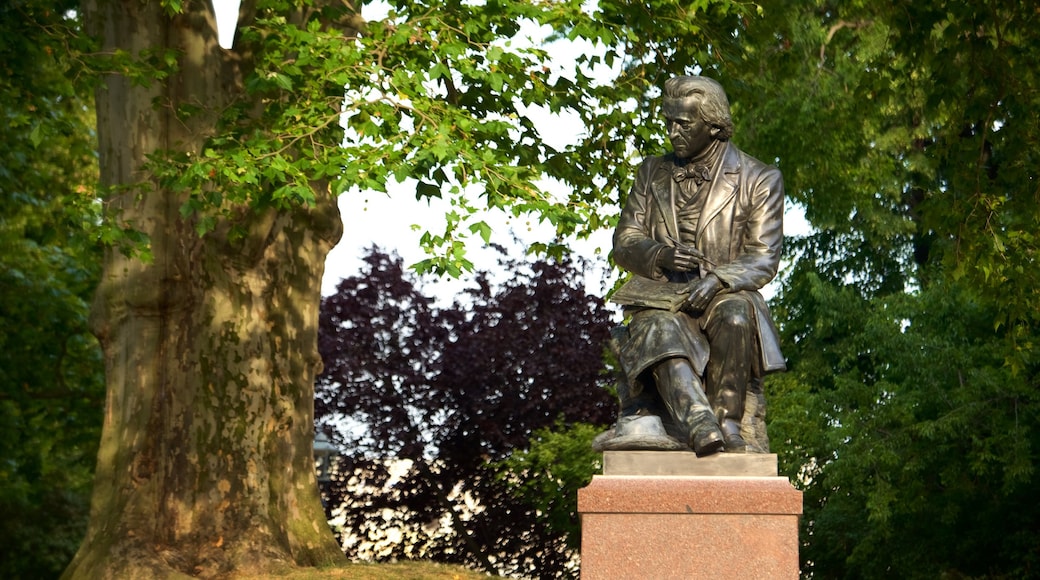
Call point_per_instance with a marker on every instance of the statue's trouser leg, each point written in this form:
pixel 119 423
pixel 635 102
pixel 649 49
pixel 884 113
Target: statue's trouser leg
pixel 634 398
pixel 730 329
pixel 682 393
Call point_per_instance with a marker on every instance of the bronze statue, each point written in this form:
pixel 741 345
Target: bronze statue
pixel 701 233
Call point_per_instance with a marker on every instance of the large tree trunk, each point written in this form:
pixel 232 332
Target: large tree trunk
pixel 205 467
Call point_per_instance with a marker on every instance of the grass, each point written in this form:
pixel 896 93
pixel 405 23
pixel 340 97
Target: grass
pixel 411 570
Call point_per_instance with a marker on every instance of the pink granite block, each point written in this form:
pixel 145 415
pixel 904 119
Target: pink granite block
pixel 689 527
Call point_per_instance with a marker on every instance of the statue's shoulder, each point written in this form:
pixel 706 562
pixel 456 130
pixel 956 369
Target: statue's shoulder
pixel 758 178
pixel 753 166
pixel 654 162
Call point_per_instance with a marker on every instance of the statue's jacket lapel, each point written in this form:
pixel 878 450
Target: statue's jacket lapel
pixel 664 190
pixel 721 195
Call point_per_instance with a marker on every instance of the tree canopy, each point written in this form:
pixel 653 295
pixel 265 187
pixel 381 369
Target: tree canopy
pixel 436 409
pixel 907 132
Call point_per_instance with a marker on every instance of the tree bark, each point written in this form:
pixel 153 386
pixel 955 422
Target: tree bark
pixel 205 467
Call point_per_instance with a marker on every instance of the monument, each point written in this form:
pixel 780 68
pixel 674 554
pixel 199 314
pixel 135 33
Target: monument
pixel 701 234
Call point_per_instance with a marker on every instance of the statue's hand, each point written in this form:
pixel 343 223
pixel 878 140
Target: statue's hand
pixel 681 258
pixel 701 293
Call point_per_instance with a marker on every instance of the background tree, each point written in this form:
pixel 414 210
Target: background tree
pixel 51 384
pixel 424 401
pixel 908 133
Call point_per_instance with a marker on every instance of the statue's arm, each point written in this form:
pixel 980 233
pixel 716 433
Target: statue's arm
pixel 635 249
pixel 762 239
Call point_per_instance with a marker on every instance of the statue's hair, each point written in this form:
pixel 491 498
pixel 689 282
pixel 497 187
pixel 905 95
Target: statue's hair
pixel 712 104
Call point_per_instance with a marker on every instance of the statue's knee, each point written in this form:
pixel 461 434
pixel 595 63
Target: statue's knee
pixel 734 316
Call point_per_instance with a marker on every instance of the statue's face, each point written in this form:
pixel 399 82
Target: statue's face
pixel 689 134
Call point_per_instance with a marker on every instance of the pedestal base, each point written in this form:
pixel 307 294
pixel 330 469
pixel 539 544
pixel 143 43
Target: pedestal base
pixel 686 527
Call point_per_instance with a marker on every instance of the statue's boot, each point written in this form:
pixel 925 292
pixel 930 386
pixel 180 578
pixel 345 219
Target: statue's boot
pixel 682 393
pixel 729 409
pixel 731 436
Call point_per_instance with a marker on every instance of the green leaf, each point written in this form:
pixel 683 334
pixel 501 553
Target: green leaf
pixel 205 224
pixel 483 229
pixel 425 190
pixel 36 135
pixel 283 81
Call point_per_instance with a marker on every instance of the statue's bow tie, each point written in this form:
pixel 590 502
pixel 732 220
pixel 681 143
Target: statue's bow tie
pixel 698 173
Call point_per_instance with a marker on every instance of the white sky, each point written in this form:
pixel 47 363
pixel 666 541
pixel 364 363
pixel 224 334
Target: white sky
pixel 386 220
pixel 227 19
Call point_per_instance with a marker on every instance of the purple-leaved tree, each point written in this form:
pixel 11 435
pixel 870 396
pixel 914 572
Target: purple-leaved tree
pixel 450 393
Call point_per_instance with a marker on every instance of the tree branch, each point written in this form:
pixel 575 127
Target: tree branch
pixel 834 30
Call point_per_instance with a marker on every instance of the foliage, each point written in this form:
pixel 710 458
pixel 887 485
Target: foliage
pixel 547 475
pixel 907 131
pixel 437 94
pixel 51 387
pixel 448 396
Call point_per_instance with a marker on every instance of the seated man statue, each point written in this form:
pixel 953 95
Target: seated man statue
pixel 703 224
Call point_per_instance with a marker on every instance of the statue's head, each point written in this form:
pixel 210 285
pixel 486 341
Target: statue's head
pixel 697 114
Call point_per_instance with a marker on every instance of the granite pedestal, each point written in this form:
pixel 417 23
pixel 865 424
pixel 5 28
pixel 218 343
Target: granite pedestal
pixel 662 515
